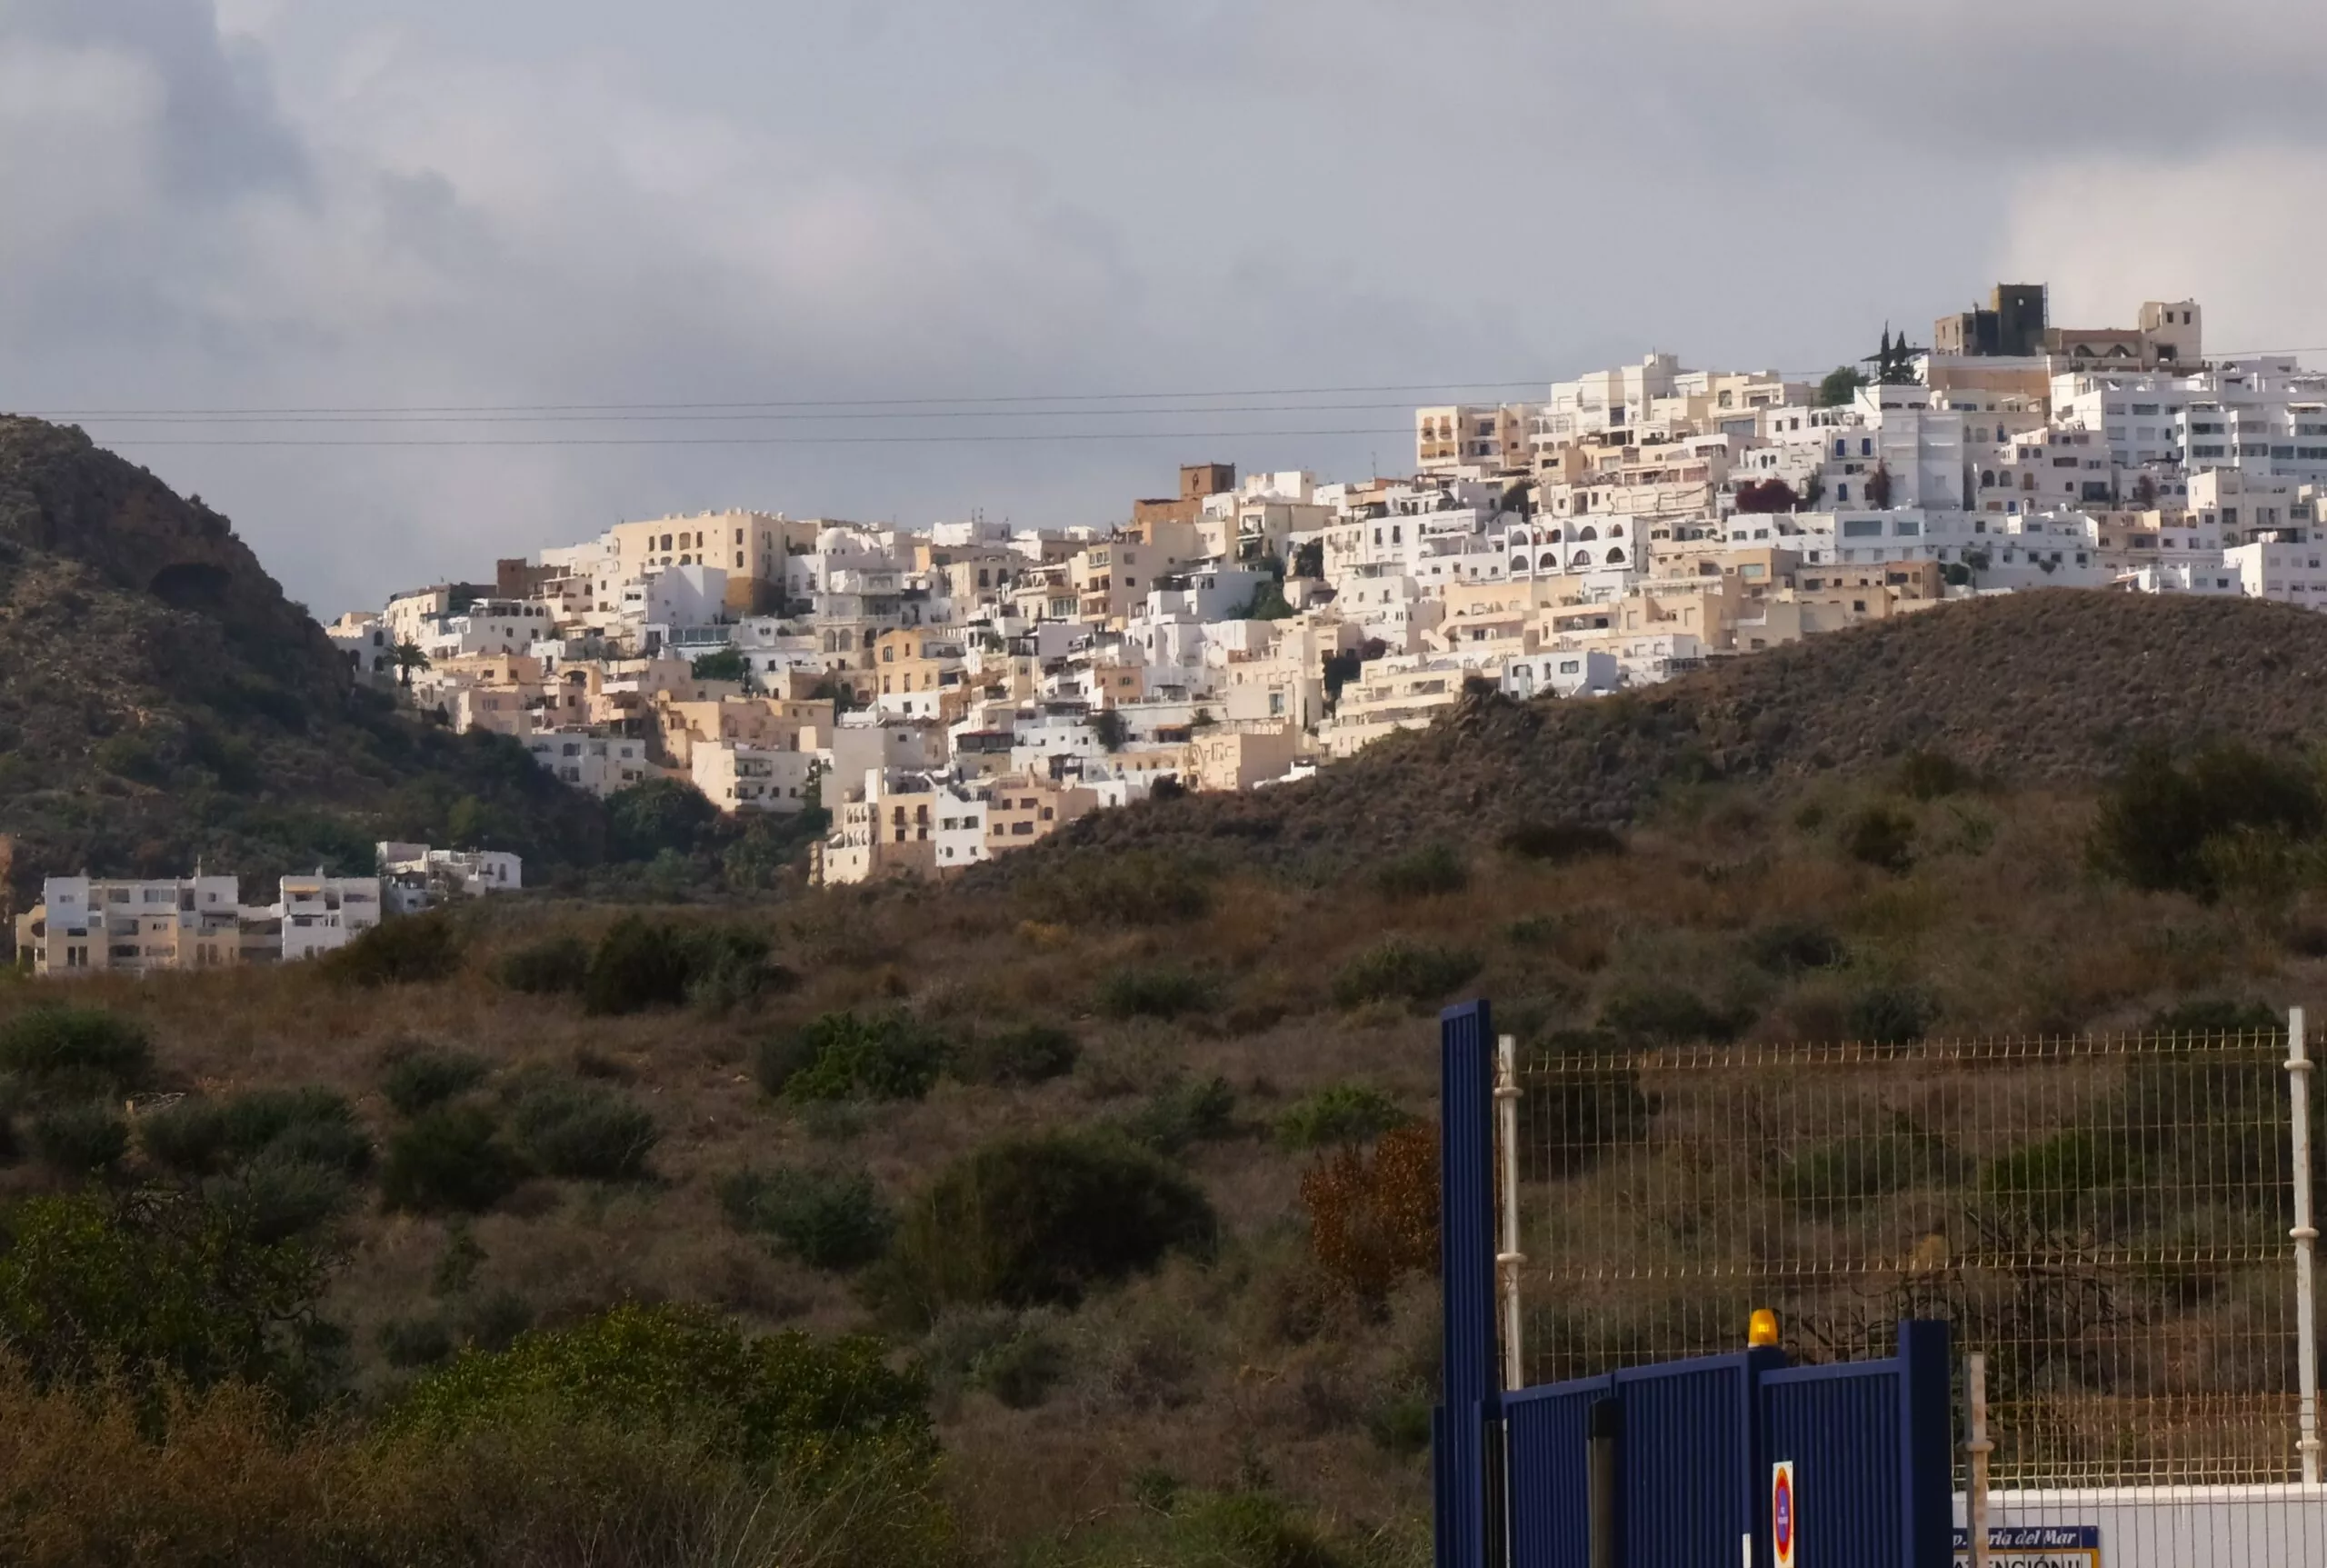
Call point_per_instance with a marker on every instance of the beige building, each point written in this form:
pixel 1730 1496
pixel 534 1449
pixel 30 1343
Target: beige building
pixel 1239 756
pixel 1025 808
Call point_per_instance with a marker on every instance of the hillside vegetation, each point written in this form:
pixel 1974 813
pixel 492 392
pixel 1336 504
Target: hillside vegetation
pixel 1124 1159
pixel 2048 687
pixel 161 701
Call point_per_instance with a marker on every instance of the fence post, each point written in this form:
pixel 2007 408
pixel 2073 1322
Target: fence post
pixel 1926 1446
pixel 1976 1448
pixel 2306 1239
pixel 1465 1447
pixel 1509 1259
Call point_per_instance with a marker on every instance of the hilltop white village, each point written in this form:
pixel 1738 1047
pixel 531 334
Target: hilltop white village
pixel 953 693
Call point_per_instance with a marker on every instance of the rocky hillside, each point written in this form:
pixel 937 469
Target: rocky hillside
pixel 2027 688
pixel 161 699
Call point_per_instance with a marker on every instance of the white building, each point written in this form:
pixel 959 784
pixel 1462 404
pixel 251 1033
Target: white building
pixel 321 914
pixel 598 763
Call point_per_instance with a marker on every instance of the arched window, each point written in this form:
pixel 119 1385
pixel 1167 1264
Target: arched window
pixel 1519 563
pixel 1586 531
pixel 1551 562
pixel 1615 530
pixel 1987 478
pixel 1583 559
pixel 1551 537
pixel 1615 556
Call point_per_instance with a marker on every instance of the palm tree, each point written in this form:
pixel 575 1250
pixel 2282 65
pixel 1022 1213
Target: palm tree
pixel 408 658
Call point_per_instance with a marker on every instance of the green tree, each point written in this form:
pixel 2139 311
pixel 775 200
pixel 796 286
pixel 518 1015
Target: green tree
pixel 722 664
pixel 1839 385
pixel 408 657
pixel 659 813
pixel 151 1281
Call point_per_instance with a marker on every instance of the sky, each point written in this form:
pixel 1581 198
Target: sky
pixel 1143 213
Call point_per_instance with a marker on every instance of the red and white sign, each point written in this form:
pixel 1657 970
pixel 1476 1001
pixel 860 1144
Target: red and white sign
pixel 1784 1514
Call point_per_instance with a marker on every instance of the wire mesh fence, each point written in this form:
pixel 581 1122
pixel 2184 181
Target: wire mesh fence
pixel 2106 1219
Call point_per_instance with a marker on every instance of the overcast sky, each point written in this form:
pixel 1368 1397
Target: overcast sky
pixel 373 204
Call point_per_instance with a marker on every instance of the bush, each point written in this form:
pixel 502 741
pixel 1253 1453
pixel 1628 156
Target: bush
pixel 840 1056
pixel 549 967
pixel 1138 887
pixel 1424 873
pixel 1244 1529
pixel 450 1158
pixel 1188 1112
pixel 1787 948
pixel 1890 1014
pixel 1584 1113
pixel 279 1196
pixel 1038 1221
pixel 638 964
pixel 783 1401
pixel 1667 1015
pixel 641 964
pixel 1031 1054
pixel 2046 1183
pixel 150 1283
pixel 428 1076
pixel 76 1139
pixel 1882 838
pixel 1933 775
pixel 1373 1218
pixel 827 1219
pixel 408 949
pixel 2215 1016
pixel 585 1131
pixel 203 1137
pixel 2157 818
pixel 1402 970
pixel 407 1343
pixel 1344 1114
pixel 1559 842
pixel 1159 991
pixel 75 1049
pixel 1850 1173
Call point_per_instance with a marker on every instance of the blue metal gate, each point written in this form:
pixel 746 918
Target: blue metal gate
pixel 1691 1443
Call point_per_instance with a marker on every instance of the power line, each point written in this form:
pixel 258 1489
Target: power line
pixel 915 440
pixel 320 418
pixel 880 402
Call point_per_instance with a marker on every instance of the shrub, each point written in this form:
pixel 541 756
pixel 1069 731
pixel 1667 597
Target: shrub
pixel 450 1158
pixel 1139 887
pixel 188 1137
pixel 2214 1016
pixel 1188 1112
pixel 409 950
pixel 1584 1112
pixel 2157 817
pixel 1343 1113
pixel 1847 1174
pixel 827 1219
pixel 813 1410
pixel 1424 873
pixel 548 967
pixel 1882 838
pixel 638 964
pixel 840 1056
pixel 728 966
pixel 1402 970
pixel 1667 1015
pixel 279 1196
pixel 1931 776
pixel 1033 1053
pixel 1787 948
pixel 588 1131
pixel 1038 1221
pixel 76 1139
pixel 428 1076
pixel 1373 1218
pixel 1890 1014
pixel 312 1123
pixel 1559 842
pixel 407 1343
pixel 75 1049
pixel 1158 991
pixel 2045 1183
pixel 152 1282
